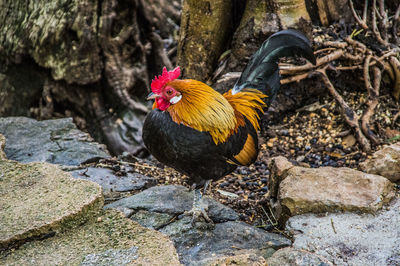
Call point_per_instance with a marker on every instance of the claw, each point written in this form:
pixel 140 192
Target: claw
pixel 199 209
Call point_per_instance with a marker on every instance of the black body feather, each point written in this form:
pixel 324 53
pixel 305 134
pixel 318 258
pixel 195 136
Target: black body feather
pixel 194 153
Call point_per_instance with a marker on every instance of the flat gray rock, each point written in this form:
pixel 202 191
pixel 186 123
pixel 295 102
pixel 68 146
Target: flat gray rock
pixel 160 207
pixel 351 239
pixel 172 200
pixel 194 245
pixel 55 141
pixel 296 257
pixel 113 184
pixel 153 220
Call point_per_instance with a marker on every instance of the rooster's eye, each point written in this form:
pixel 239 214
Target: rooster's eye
pixel 169 92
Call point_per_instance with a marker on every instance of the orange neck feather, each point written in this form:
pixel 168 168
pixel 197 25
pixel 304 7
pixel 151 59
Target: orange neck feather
pixel 247 103
pixel 204 109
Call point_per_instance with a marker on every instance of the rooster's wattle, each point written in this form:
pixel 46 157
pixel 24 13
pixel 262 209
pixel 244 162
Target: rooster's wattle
pixel 206 135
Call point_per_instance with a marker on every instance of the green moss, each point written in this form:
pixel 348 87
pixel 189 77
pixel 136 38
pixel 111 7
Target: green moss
pixel 34 202
pixel 109 230
pixel 42 29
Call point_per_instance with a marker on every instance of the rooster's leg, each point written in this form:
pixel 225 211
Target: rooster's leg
pixel 199 207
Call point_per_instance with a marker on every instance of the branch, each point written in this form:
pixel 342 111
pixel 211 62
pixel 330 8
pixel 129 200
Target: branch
pixel 375 27
pixel 383 20
pixel 373 99
pixel 360 22
pixel 396 69
pixel 320 61
pixel 349 115
pixel 395 23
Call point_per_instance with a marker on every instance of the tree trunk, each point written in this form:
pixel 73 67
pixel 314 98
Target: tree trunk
pixel 86 59
pixel 205 29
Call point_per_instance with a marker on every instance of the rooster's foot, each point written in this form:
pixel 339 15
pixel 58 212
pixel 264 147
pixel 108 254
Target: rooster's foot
pixel 199 209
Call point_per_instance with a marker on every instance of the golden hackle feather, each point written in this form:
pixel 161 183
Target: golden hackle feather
pixel 202 108
pixel 247 103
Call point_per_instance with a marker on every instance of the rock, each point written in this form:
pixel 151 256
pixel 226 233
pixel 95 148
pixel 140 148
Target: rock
pixel 243 259
pixel 172 200
pixel 349 238
pixel 111 257
pixel 108 239
pixel 113 186
pixel 55 141
pixel 160 207
pixel 195 246
pixel 2 145
pixel 38 199
pixel 384 162
pixel 296 257
pixel 152 220
pixel 278 167
pixel 329 189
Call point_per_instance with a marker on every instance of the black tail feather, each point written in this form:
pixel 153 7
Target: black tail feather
pixel 262 71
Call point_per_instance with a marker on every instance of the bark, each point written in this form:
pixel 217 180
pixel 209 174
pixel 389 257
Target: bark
pixel 203 36
pixel 205 27
pixel 329 11
pixel 86 59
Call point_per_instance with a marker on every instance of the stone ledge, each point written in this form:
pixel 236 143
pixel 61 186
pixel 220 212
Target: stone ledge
pixel 39 199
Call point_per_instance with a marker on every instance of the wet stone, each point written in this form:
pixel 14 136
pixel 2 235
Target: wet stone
pixel 56 141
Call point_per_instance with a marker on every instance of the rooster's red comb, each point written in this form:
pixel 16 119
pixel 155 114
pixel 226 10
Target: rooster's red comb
pixel 158 82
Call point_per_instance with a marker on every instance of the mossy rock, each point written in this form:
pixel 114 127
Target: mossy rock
pixel 110 239
pixel 38 199
pixel 2 145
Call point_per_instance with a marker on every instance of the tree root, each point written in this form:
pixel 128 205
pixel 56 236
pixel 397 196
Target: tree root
pixel 396 71
pixel 372 102
pixel 351 54
pixel 396 19
pixel 349 115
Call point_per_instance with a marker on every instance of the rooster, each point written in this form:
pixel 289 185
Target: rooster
pixel 206 135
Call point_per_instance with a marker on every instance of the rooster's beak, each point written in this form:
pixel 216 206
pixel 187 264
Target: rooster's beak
pixel 152 96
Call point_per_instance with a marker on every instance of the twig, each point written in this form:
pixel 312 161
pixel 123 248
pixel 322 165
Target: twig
pixel 339 45
pixel 348 67
pixel 396 69
pixel 395 118
pixel 372 102
pixel 327 49
pixel 320 61
pixel 356 43
pixel 375 27
pixel 362 23
pixel 295 78
pixel 349 115
pixel 333 227
pixel 395 23
pixel 367 79
pixel 383 20
pixel 365 12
